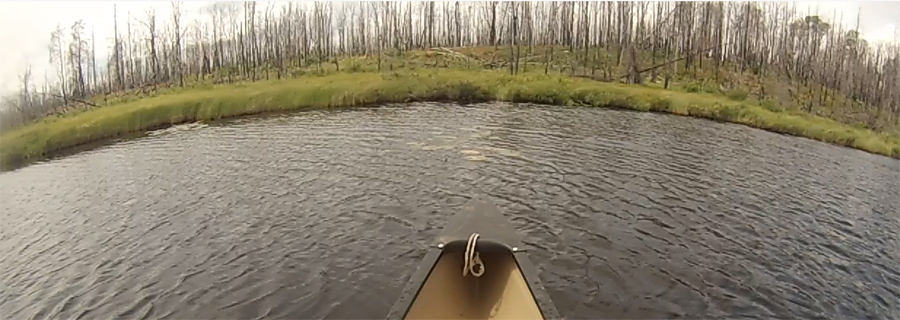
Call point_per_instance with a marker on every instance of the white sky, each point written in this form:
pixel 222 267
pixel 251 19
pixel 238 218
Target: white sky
pixel 25 26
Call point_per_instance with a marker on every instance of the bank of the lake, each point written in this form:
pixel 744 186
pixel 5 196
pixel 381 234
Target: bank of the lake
pixel 41 139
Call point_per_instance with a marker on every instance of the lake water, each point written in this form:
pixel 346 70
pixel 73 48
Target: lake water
pixel 326 214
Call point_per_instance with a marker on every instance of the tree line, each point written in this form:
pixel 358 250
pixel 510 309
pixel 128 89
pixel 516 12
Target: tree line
pixel 240 40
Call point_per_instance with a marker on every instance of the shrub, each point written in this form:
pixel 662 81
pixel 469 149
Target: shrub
pixel 696 110
pixel 710 87
pixel 660 104
pixel 731 112
pixel 771 105
pixel 591 97
pixel 738 94
pixel 693 87
pixel 468 92
pixel 544 94
pixel 620 102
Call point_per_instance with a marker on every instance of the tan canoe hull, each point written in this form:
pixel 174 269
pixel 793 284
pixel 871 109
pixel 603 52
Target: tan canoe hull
pixel 508 289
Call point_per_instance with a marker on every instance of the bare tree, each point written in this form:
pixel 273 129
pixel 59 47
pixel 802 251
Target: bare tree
pixel 176 23
pixel 117 51
pixel 830 70
pixel 56 55
pixel 25 102
pixel 77 58
pixel 150 24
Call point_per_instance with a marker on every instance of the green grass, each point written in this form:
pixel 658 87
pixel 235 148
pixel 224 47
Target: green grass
pixel 210 102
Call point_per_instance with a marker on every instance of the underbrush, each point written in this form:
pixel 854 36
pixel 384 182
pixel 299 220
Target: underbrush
pixel 338 90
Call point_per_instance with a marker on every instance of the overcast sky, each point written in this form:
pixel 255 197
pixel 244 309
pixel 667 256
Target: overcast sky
pixel 25 26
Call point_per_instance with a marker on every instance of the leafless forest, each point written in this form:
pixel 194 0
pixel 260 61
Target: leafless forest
pixel 234 40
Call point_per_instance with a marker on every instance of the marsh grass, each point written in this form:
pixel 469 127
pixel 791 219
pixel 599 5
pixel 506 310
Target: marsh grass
pixel 360 88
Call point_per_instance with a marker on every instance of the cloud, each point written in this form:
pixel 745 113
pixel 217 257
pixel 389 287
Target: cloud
pixel 25 26
pixel 25 29
pixel 877 20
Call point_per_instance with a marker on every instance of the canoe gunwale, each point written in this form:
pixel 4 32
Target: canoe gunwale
pixel 531 275
pixel 414 284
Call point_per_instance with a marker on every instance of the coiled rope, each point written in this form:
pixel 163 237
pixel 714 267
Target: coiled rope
pixel 472 259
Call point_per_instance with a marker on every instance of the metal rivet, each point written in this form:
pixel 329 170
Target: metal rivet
pixel 440 245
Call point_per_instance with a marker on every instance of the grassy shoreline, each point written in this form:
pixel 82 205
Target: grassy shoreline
pixel 43 138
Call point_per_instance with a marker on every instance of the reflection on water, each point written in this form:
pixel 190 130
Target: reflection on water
pixel 326 214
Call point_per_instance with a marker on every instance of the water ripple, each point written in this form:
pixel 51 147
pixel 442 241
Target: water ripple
pixel 326 214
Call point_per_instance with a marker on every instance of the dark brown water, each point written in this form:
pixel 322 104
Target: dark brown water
pixel 326 214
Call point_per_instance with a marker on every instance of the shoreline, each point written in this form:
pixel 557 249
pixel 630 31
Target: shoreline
pixel 45 138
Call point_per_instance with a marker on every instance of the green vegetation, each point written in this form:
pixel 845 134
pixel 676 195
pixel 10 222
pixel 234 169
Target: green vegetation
pixel 363 87
pixel 772 66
